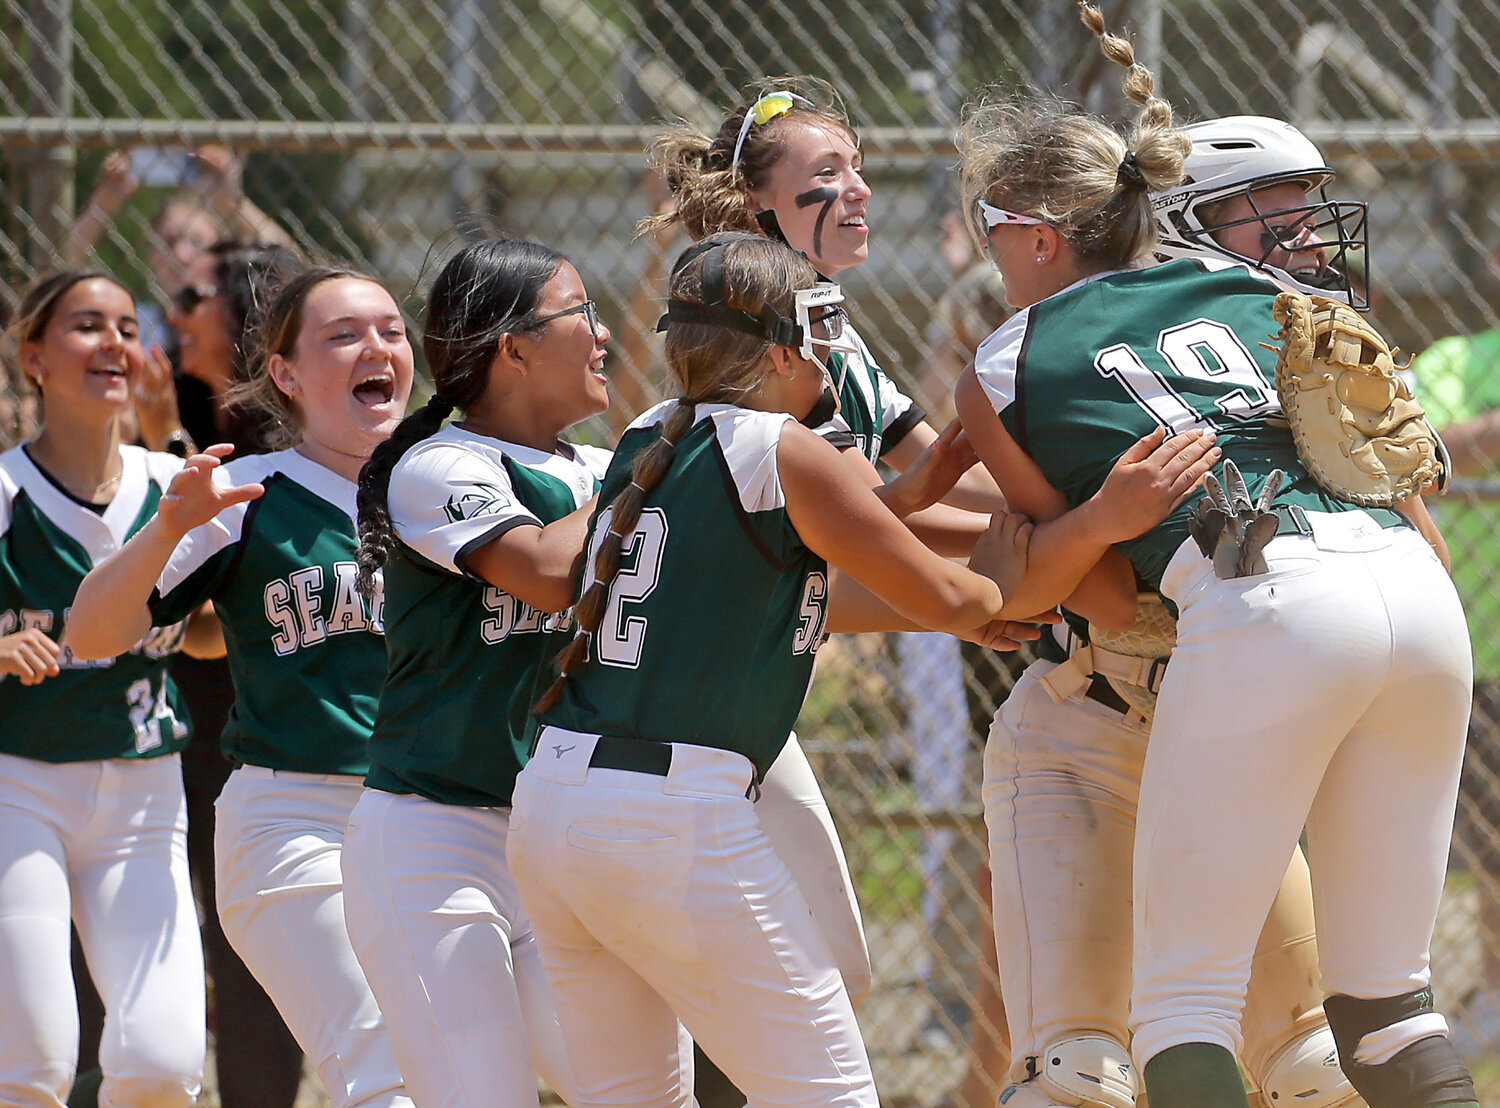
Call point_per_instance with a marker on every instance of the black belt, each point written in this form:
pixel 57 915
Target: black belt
pixel 637 755
pixel 1100 690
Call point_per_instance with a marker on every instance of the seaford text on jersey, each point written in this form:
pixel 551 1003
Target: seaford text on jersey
pixel 515 617
pixel 297 605
pixel 156 643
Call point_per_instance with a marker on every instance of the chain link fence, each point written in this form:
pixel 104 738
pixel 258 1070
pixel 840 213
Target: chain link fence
pixel 385 131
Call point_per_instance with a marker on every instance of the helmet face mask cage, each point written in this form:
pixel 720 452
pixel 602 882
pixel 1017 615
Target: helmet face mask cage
pixel 821 308
pixel 1339 227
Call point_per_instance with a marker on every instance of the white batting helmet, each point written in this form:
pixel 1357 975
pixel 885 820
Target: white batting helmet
pixel 1238 155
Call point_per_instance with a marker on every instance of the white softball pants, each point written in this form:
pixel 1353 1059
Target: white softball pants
pixel 795 817
pixel 105 843
pixel 277 840
pixel 660 898
pixel 1061 785
pixel 447 946
pixel 1332 690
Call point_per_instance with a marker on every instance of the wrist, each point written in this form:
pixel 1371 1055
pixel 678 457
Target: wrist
pixel 1094 525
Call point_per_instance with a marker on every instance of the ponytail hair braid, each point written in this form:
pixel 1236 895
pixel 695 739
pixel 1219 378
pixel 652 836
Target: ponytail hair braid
pixel 646 472
pixel 377 535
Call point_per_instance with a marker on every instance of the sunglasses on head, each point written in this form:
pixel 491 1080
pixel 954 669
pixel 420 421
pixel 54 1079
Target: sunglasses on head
pixel 590 313
pixel 189 297
pixel 770 106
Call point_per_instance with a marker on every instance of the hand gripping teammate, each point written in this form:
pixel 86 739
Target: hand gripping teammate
pixel 92 817
pixel 1060 858
pixel 271 540
pixel 479 526
pixel 1329 690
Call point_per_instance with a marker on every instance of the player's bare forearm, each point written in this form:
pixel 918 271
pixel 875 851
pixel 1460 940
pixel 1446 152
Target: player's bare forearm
pixel 109 613
pixel 1068 562
pixel 975 491
pixel 539 566
pixel 839 517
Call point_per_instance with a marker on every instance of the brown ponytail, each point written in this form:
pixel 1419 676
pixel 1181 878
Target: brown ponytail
pixel 646 472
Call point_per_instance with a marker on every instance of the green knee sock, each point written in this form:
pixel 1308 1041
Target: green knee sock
pixel 1195 1075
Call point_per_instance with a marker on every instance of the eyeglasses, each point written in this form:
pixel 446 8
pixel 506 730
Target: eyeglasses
pixel 833 320
pixel 590 312
pixel 767 108
pixel 993 217
pixel 189 297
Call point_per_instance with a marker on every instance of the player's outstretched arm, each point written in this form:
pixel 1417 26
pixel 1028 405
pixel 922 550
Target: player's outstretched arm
pixel 539 566
pixel 841 519
pixel 949 531
pixel 109 613
pixel 974 490
pixel 854 609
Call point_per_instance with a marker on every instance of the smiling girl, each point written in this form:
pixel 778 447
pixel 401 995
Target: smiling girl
pixel 479 526
pixel 92 818
pixel 271 540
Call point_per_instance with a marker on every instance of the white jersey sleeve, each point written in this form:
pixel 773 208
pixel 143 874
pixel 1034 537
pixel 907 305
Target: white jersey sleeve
pixel 449 498
pixel 996 359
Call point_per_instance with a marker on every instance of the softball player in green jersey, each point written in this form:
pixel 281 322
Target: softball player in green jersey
pixel 271 541
pixel 787 167
pixel 92 817
pixel 1060 853
pixel 654 891
pixel 1330 690
pixel 479 526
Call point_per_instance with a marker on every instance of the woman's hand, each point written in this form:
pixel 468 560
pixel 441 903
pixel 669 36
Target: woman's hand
pixel 194 497
pixel 1009 634
pixel 932 474
pixel 1002 551
pixel 29 655
pixel 156 400
pixel 1149 480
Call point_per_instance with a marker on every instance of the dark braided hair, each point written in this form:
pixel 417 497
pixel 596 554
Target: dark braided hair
pixel 712 365
pixel 488 289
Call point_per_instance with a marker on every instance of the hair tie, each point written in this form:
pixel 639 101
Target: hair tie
pixel 441 407
pixel 1129 174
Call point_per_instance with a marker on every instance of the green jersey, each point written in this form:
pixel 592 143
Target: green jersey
pixel 874 415
pixel 1078 377
pixel 715 616
pixel 124 707
pixel 466 659
pixel 305 649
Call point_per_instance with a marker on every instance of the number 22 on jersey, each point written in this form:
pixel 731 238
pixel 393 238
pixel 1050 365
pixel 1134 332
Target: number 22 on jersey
pixel 622 632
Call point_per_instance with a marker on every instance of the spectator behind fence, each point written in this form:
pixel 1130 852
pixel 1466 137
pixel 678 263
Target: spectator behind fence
pixel 1458 379
pixel 209 202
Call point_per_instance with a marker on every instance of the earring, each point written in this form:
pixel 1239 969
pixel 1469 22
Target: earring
pixel 1040 259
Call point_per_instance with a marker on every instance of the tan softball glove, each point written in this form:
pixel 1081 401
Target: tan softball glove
pixel 1358 429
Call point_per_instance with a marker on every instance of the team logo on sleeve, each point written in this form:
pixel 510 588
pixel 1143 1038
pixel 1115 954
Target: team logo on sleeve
pixel 483 500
